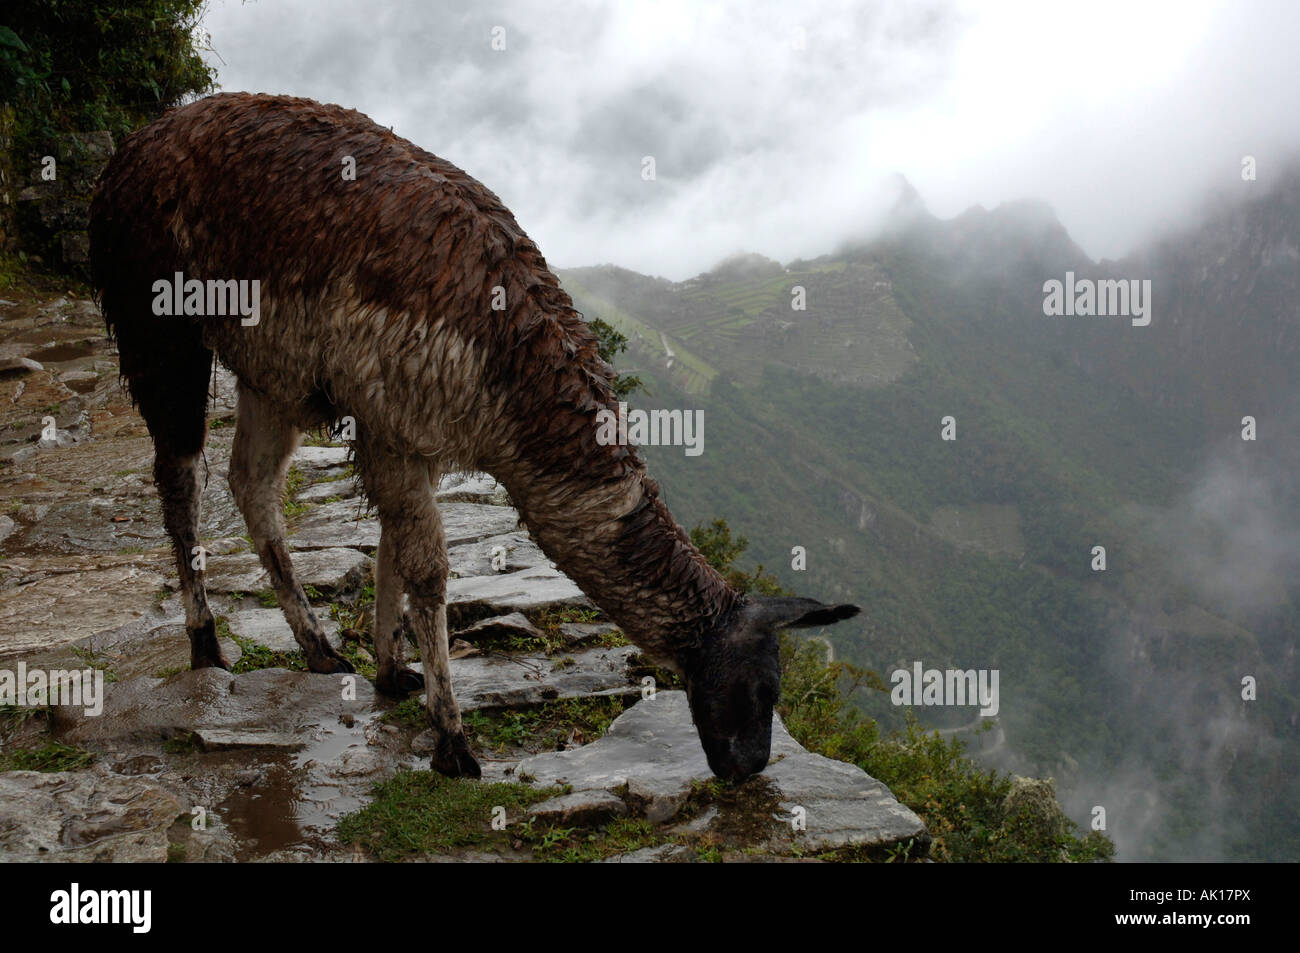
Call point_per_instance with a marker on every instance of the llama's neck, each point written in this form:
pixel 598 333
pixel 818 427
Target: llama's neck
pixel 621 546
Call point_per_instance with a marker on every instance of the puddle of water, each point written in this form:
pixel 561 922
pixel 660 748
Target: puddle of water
pixel 62 352
pixel 283 809
pixel 44 336
pixel 83 386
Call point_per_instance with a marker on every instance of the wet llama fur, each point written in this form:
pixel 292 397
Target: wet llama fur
pixel 376 303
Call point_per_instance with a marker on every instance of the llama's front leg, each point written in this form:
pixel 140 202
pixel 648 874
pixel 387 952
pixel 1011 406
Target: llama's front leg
pixel 452 755
pixel 264 442
pixel 392 676
pixel 178 485
pixel 402 491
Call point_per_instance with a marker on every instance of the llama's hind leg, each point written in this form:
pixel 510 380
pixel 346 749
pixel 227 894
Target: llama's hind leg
pixel 264 442
pixel 392 676
pixel 178 485
pixel 402 491
pixel 167 367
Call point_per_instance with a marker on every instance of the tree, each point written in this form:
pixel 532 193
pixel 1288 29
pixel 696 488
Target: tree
pixel 610 342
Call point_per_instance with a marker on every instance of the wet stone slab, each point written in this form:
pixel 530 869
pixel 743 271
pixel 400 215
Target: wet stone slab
pixel 268 628
pixel 342 523
pixel 145 647
pixel 347 523
pixel 518 681
pixel 511 551
pixel 57 600
pixel 84 816
pixel 471 522
pixel 472 488
pixel 512 625
pixel 538 587
pixel 273 757
pixel 653 749
pixel 259 704
pixel 329 570
pixel 313 460
pixel 330 491
pixel 581 808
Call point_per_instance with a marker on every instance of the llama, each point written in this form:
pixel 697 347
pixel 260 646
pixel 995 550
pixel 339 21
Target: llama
pixel 405 296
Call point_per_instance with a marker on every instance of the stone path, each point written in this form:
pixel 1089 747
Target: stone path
pixel 211 765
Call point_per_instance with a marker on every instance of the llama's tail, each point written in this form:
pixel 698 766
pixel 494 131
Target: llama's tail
pixel 164 363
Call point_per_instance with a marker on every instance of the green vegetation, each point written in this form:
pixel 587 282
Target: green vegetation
pixel 610 343
pixel 962 805
pixel 49 757
pixel 184 743
pixel 1052 457
pixel 424 812
pixel 14 717
pixel 294 482
pixel 716 545
pixel 543 728
pixel 571 721
pixel 96 660
pixel 254 656
pixel 409 713
pixel 81 65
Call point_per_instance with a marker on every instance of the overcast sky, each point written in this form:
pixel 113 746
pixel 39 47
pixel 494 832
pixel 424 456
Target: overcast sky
pixel 774 125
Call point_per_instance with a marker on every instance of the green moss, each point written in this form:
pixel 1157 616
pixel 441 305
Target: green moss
pixel 422 812
pixel 580 845
pixel 14 717
pixel 409 714
pixel 50 757
pixel 350 615
pixel 183 743
pixel 254 656
pixel 546 727
pixel 550 620
pixel 639 666
pixel 96 660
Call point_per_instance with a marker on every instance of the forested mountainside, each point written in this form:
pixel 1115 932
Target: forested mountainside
pixel 823 430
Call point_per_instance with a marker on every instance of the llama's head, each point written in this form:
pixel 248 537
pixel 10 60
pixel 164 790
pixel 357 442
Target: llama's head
pixel 734 679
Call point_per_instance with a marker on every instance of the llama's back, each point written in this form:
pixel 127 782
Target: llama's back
pixel 377 291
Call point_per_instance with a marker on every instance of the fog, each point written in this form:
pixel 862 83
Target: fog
pixel 774 127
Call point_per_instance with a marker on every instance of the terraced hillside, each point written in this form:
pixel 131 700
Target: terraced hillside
pixel 745 315
pixel 823 430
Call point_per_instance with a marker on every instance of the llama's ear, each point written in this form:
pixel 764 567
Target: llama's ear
pixel 785 612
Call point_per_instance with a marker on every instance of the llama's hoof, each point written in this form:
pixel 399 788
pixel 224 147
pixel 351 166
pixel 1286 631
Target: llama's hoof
pixel 455 760
pixel 209 661
pixel 330 665
pixel 205 650
pixel 399 682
